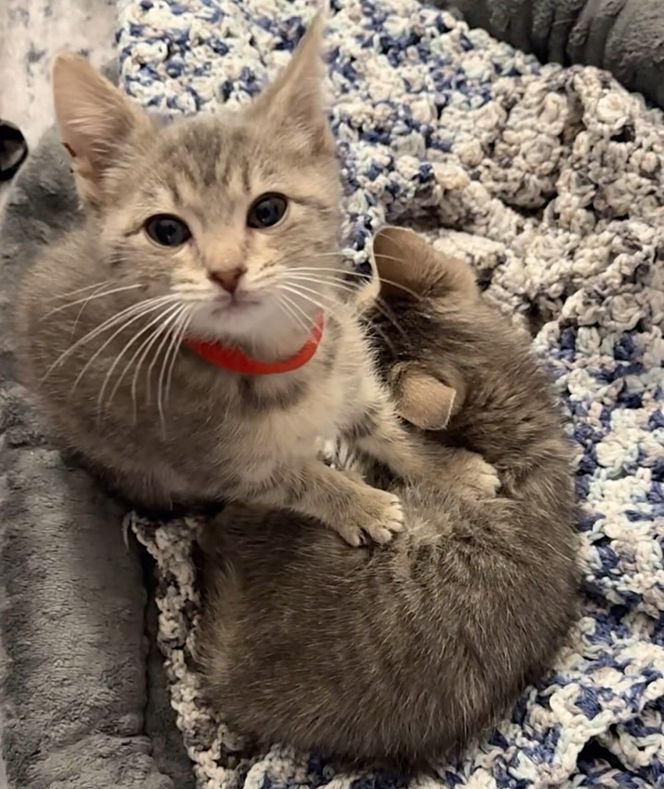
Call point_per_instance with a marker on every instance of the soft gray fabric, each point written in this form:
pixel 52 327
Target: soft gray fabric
pixel 76 710
pixel 625 37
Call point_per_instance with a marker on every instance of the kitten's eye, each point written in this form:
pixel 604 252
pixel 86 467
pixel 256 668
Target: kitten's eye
pixel 267 211
pixel 167 230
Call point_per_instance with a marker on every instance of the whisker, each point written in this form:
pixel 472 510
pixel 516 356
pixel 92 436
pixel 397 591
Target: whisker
pixel 359 275
pixel 77 319
pixel 135 316
pixel 379 305
pixel 332 306
pixel 80 290
pixel 340 272
pixel 86 299
pixel 173 349
pixel 153 364
pixel 193 293
pixel 333 254
pixel 299 291
pixel 333 302
pixel 180 332
pixel 321 281
pixel 308 320
pixel 107 324
pixel 345 288
pixel 290 312
pixel 165 313
pixel 147 346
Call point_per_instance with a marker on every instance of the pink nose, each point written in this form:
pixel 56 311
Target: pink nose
pixel 228 280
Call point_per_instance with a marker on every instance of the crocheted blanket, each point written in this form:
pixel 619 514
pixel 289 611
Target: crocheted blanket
pixel 550 182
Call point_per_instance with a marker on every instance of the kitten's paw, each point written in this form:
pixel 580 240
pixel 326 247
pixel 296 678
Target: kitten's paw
pixel 479 476
pixel 378 520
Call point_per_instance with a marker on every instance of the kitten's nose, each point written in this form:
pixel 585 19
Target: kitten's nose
pixel 228 280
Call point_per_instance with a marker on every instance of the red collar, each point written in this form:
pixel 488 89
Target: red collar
pixel 236 361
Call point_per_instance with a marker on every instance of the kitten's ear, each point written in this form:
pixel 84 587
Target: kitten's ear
pixel 94 119
pixel 295 100
pixel 407 260
pixel 421 399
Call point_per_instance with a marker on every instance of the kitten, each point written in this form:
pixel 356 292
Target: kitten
pixel 209 253
pixel 408 653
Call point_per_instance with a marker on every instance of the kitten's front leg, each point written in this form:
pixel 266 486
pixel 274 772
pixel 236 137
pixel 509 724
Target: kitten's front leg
pixel 344 503
pixel 374 429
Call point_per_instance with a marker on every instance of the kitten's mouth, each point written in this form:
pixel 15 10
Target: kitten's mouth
pixel 235 304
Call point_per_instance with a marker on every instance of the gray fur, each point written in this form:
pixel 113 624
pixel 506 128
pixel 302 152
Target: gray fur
pixel 408 651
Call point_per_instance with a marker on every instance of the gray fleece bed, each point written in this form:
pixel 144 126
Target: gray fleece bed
pixel 84 702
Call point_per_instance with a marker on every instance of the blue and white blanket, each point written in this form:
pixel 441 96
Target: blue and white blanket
pixel 550 182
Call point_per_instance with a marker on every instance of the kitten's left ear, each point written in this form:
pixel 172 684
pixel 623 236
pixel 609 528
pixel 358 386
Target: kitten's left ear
pixel 295 100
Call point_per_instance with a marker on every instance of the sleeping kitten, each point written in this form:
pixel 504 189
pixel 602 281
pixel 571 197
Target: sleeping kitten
pixel 189 338
pixel 408 653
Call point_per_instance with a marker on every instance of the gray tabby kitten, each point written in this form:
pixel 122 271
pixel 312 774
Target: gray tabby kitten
pixel 223 230
pixel 409 652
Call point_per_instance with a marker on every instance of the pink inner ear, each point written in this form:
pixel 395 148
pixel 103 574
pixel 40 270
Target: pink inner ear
pixel 94 117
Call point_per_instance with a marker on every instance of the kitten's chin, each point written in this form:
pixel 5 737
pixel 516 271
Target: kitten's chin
pixel 260 326
pixel 235 319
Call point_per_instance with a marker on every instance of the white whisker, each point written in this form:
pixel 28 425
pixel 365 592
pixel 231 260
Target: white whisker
pixel 379 303
pixel 299 291
pixel 80 290
pixel 340 270
pixel 287 307
pixel 336 254
pixel 152 365
pixel 329 305
pixel 86 299
pixel 104 326
pixel 344 273
pixel 179 332
pixel 322 281
pixel 132 317
pixel 77 319
pixel 307 320
pixel 165 313
pixel 146 346
pixel 173 349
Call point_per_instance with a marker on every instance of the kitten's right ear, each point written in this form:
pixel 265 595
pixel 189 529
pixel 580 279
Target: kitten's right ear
pixel 95 119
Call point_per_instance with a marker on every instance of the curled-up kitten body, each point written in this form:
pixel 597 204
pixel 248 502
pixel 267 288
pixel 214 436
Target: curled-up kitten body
pixel 190 339
pixel 409 652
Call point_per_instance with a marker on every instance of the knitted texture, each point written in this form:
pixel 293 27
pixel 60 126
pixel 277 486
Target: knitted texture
pixel 550 182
